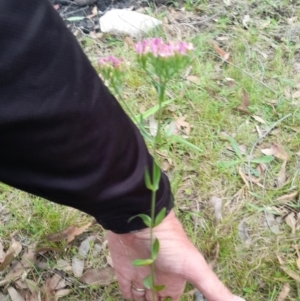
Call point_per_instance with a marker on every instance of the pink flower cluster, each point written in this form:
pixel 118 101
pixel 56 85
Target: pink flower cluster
pixel 158 48
pixel 111 61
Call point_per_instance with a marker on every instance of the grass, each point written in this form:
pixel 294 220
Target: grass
pixel 264 64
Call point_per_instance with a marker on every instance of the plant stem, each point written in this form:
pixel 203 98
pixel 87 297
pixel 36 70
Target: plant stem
pixel 161 96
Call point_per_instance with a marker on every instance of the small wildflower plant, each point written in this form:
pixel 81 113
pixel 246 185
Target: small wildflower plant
pixel 161 61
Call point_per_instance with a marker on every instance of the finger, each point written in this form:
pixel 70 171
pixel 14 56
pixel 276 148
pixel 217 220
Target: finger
pixel 138 292
pixel 150 297
pixel 124 286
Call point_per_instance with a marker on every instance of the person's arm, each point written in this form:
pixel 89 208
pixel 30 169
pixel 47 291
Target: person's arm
pixel 64 137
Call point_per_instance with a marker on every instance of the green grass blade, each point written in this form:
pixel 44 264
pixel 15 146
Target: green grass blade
pixel 153 110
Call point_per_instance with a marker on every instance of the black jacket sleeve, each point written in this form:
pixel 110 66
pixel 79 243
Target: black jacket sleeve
pixel 63 136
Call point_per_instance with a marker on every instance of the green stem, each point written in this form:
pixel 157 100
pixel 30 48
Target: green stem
pixel 161 96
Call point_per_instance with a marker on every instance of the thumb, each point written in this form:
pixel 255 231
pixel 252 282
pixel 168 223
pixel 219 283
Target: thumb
pixel 206 281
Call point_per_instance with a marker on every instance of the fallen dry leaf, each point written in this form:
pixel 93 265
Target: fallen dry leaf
pixel 193 79
pixel 53 288
pixel 85 246
pixel 227 2
pixel 97 249
pixel 51 283
pixel 291 20
pixel 77 266
pixel 68 234
pixel 33 288
pixel 291 221
pixel 260 135
pixel 180 122
pixel 223 54
pixel 153 125
pixel 246 20
pixel 271 222
pixel 4 297
pixel 244 106
pixel 244 233
pixel 281 179
pixel 27 263
pixel 287 197
pixel 2 253
pixel 296 94
pixel 217 205
pixel 129 42
pixel 246 178
pixel 14 250
pixel 259 119
pixel 284 292
pixel 98 276
pixel 277 151
pixel 14 295
pixel 109 261
pixel 165 166
pixel 288 271
pixel 61 293
pixel 63 265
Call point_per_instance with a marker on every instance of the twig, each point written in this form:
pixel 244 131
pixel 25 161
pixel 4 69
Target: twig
pixel 260 139
pixel 74 11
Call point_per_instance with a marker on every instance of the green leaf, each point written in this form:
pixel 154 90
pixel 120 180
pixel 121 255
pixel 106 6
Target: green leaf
pixel 155 249
pixel 75 18
pixel 263 159
pixel 148 284
pixel 235 147
pixel 142 262
pixel 187 143
pixel 158 288
pixel 146 219
pixel 168 299
pixel 148 181
pixel 153 110
pixel 225 164
pixel 160 216
pixel 156 176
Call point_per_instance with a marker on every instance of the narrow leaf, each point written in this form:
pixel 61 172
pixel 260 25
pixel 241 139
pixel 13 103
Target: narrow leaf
pixel 148 282
pixel 264 159
pixel 159 288
pixel 156 176
pixel 160 216
pixel 224 164
pixel 142 262
pixel 235 147
pixel 146 219
pixel 153 110
pixel 148 180
pixel 187 143
pixel 155 249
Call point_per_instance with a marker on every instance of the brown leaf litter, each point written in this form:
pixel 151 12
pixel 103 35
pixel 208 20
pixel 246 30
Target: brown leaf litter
pixel 68 234
pixel 6 258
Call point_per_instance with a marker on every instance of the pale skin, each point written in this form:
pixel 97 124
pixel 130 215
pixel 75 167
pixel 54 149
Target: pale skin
pixel 178 261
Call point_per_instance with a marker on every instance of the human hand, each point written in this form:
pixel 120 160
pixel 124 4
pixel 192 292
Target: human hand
pixel 178 261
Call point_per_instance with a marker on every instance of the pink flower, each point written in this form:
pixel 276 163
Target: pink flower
pixel 111 61
pixel 158 48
